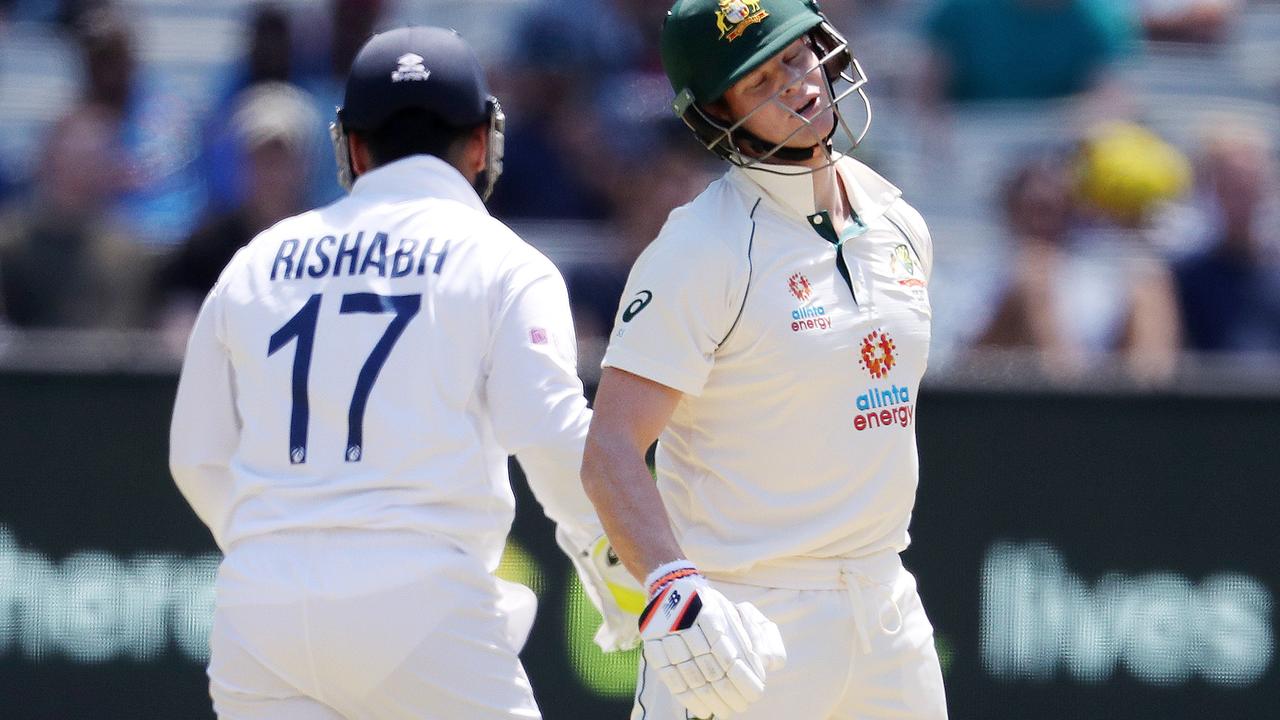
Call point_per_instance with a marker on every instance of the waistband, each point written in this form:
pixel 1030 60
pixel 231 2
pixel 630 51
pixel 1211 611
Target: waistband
pixel 806 573
pixel 315 538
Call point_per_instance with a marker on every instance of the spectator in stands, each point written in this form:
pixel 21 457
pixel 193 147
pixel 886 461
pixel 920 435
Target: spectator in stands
pixel 1084 282
pixel 642 20
pixel 63 263
pixel 271 121
pixel 268 58
pixel 1021 49
pixel 1231 291
pixel 1124 175
pixel 1038 209
pixel 324 59
pixel 1188 21
pixel 162 195
pixel 270 55
pixel 553 166
pixel 653 149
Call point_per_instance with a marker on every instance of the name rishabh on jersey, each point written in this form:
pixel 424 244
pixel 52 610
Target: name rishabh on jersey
pixel 349 255
pixel 372 364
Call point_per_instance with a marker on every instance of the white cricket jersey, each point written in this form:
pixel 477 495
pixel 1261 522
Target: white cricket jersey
pixel 800 369
pixel 372 363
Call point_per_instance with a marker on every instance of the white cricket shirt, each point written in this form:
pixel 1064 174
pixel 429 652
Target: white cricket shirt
pixel 372 363
pixel 796 432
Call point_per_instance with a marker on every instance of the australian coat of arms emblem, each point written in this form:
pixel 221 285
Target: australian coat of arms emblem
pixel 735 16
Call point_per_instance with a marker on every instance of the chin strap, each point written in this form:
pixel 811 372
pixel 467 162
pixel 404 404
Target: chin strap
pixel 760 148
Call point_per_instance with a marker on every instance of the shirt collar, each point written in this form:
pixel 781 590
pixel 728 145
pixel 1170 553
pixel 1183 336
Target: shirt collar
pixel 869 194
pixel 417 177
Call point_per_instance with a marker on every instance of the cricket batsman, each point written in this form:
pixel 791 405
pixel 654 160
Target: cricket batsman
pixel 352 389
pixel 772 339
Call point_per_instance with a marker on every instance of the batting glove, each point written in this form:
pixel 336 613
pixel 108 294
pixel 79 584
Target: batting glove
pixel 617 596
pixel 711 654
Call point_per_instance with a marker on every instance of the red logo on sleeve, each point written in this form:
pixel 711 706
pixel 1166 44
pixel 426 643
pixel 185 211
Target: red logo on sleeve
pixel 538 336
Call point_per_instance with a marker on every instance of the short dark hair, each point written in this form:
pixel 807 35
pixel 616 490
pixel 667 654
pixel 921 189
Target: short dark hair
pixel 413 131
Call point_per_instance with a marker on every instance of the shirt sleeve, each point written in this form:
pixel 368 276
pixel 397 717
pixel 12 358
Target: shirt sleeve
pixel 206 428
pixel 535 399
pixel 682 298
pixel 920 237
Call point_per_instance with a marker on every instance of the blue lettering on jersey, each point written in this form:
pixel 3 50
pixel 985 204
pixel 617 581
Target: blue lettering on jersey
pixel 404 254
pixel 344 252
pixel 295 260
pixel 320 271
pixel 439 256
pixel 302 261
pixel 284 256
pixel 376 255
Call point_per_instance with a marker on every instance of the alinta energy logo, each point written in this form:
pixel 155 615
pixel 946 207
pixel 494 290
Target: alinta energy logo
pixel 811 317
pixel 799 286
pixel 882 406
pixel 878 353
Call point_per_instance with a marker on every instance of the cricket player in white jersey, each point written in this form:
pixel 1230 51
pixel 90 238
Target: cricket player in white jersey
pixel 351 391
pixel 772 339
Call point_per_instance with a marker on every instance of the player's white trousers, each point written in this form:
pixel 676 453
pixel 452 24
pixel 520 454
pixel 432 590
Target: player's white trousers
pixel 859 646
pixel 323 625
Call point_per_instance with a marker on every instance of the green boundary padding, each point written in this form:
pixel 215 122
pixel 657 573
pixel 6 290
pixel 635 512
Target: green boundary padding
pixel 518 566
pixel 612 675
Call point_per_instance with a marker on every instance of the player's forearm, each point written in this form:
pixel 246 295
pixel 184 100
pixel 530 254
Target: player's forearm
pixel 617 481
pixel 551 471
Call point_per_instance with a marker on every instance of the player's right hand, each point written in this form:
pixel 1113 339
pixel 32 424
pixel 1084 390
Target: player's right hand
pixel 711 654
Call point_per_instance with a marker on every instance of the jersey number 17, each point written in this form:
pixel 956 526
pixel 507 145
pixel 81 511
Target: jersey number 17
pixel 302 327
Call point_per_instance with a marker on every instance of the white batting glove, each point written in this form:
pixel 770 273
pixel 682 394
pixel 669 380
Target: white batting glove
pixel 711 654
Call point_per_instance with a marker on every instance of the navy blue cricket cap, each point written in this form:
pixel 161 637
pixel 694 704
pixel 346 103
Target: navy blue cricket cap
pixel 429 68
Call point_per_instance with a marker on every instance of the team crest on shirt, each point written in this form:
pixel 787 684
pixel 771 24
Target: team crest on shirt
pixel 900 261
pixel 907 272
pixel 733 17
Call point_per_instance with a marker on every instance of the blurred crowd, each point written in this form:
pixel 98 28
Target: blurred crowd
pixel 1115 241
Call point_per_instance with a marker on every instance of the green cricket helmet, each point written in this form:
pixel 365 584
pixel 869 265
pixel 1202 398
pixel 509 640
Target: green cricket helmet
pixel 708 45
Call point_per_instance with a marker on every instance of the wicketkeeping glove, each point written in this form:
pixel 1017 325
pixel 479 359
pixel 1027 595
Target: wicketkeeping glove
pixel 609 587
pixel 711 654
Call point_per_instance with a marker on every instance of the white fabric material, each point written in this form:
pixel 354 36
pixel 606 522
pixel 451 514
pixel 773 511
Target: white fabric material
pixel 859 646
pixel 366 624
pixel 785 443
pixel 484 368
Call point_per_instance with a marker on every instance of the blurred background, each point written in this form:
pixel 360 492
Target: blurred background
pixel 1095 534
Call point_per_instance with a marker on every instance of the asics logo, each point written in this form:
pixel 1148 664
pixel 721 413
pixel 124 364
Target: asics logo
pixel 642 300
